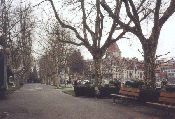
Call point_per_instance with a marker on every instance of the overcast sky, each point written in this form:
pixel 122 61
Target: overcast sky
pixel 129 48
pixel 166 43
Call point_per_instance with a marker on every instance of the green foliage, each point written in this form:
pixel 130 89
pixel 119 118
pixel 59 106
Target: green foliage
pixel 87 83
pixel 149 96
pixel 134 84
pixel 2 93
pixel 111 82
pixel 63 87
pixel 117 84
pixel 170 88
pixel 107 85
pixel 106 91
pixel 76 62
pixel 164 82
pixel 89 91
pixel 70 92
pixel 33 77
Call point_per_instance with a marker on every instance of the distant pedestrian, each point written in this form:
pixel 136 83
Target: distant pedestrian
pixel 64 83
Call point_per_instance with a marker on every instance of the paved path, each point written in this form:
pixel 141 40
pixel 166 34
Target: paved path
pixel 39 101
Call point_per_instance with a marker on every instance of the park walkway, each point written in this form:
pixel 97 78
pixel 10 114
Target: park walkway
pixel 40 101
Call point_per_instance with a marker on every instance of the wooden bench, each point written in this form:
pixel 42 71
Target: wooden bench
pixel 166 100
pixel 127 93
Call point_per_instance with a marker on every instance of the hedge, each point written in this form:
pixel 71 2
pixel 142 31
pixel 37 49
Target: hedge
pixel 149 96
pixel 134 84
pixel 2 93
pixel 89 91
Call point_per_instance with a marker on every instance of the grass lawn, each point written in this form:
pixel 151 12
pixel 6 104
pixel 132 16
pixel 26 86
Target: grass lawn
pixel 62 87
pixel 12 89
pixel 70 92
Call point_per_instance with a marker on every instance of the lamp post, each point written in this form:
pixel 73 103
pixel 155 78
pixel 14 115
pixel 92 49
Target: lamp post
pixel 123 73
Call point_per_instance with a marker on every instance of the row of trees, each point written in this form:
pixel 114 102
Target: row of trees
pixel 33 77
pixel 124 16
pixel 16 26
pixel 59 57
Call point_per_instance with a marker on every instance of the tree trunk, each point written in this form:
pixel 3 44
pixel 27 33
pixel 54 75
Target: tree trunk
pixel 98 71
pixel 149 66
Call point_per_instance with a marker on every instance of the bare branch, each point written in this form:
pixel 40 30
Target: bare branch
pixel 170 10
pixel 124 26
pixel 156 15
pixel 146 15
pixel 157 56
pixel 70 42
pixel 109 42
pixel 141 4
pixel 84 21
pixel 134 10
pixel 134 19
pixel 86 43
pixel 119 37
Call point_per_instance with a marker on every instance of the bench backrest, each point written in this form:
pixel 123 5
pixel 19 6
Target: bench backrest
pixel 123 91
pixel 134 92
pixel 129 92
pixel 167 97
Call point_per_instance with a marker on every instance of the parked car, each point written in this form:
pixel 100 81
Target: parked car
pixel 85 81
pixel 106 81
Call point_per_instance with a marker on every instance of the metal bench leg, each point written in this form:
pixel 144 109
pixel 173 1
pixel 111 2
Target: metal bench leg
pixel 123 101
pixel 114 99
pixel 168 110
pixel 133 102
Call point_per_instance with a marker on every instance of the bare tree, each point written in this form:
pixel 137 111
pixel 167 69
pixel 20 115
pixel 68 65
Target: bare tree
pixel 16 36
pixel 91 39
pixel 137 12
pixel 56 55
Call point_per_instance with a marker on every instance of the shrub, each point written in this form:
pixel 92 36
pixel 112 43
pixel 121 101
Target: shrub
pixel 107 85
pixel 170 88
pixel 149 96
pixel 117 84
pixel 78 90
pixel 134 84
pixel 164 82
pixel 89 91
pixel 111 82
pixel 88 83
pixel 2 93
pixel 106 91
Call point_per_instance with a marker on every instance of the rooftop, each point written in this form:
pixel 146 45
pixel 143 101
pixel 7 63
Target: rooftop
pixel 114 48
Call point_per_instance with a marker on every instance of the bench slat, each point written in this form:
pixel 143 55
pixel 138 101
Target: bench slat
pixel 127 93
pixel 165 100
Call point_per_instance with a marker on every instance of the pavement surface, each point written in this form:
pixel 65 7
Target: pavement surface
pixel 40 101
